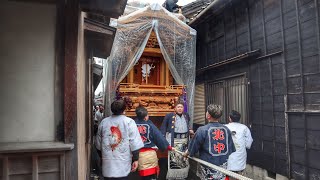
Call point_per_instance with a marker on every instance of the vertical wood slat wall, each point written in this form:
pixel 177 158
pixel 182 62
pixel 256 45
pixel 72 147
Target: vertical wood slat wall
pixel 35 166
pixel 199 105
pixel 284 106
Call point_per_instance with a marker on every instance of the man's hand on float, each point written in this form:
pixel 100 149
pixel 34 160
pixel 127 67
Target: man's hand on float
pixel 134 166
pixel 191 132
pixel 185 155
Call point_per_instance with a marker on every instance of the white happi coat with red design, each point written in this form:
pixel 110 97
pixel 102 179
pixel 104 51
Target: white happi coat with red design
pixel 117 137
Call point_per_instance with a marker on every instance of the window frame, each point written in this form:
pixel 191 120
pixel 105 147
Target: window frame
pixel 244 80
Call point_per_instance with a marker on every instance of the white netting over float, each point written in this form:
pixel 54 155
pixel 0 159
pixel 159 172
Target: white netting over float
pixel 176 39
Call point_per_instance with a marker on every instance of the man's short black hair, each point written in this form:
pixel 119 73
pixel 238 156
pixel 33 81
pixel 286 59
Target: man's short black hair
pixel 214 110
pixel 118 107
pixel 180 102
pixel 141 112
pixel 235 116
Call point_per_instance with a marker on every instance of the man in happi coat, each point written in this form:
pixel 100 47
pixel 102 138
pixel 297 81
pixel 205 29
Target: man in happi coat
pixel 119 141
pixel 214 144
pixel 242 139
pixel 176 128
pixel 152 139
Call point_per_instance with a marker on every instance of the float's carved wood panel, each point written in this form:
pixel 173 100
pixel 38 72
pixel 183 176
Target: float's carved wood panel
pixel 150 83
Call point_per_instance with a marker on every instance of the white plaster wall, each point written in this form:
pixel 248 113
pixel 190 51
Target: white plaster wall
pixel 27 56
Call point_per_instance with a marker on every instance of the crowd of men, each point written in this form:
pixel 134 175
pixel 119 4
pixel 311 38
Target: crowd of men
pixel 126 145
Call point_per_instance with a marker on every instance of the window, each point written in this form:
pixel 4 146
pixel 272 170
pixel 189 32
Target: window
pixel 199 114
pixel 232 94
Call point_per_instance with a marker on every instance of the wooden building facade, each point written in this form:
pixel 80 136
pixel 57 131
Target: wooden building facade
pixel 46 84
pixel 262 58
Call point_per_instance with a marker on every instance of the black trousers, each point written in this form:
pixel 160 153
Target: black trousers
pixel 163 163
pixel 120 178
pixel 151 177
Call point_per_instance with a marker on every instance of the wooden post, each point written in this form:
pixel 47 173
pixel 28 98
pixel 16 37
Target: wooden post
pixel 35 171
pixel 167 75
pixel 162 71
pixel 147 74
pixel 284 75
pixel 71 25
pixel 131 75
pixel 141 73
pixel 70 69
pixel 158 74
pixel 5 168
pixel 62 167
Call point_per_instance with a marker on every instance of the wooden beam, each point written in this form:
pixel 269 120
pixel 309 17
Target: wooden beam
pixel 30 154
pixel 98 27
pixel 229 61
pixel 300 61
pixel 306 146
pixel 24 147
pixel 249 25
pixel 284 76
pixel 260 88
pixel 70 69
pixel 152 51
pixel 72 19
pixel 316 3
pixel 59 70
pixel 108 8
pixel 214 8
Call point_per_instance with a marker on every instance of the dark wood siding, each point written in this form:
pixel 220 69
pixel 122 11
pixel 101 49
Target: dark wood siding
pixel 284 90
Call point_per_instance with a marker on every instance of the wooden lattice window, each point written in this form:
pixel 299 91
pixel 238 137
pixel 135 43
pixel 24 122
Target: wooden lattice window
pixel 232 94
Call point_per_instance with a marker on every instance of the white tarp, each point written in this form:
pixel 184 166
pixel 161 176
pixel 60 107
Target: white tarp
pixel 176 39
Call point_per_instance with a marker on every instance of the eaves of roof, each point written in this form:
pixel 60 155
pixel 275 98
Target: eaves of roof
pixel 192 9
pixel 214 7
pixel 109 8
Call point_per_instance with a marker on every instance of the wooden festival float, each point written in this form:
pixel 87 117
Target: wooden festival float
pixel 150 83
pixel 152 63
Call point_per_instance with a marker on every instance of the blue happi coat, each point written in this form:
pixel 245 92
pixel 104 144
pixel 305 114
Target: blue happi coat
pixel 151 135
pixel 168 125
pixel 214 144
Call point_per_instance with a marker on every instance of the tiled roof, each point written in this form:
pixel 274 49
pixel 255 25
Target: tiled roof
pixel 191 10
